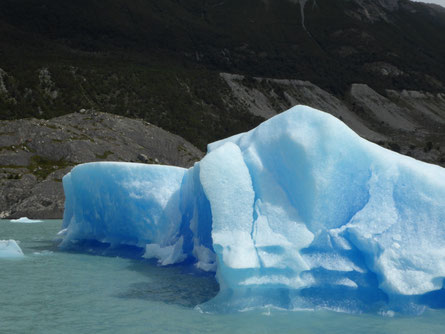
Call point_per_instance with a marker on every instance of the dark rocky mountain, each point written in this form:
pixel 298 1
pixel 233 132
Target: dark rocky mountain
pixel 160 60
pixel 207 69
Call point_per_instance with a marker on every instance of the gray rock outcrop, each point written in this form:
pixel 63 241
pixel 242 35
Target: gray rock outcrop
pixel 36 154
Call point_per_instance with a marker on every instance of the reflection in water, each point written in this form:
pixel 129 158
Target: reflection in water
pixel 172 285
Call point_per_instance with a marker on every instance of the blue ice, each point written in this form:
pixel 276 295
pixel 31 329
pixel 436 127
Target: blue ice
pixel 299 212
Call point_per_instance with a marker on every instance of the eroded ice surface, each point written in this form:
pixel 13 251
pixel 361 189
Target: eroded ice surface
pixel 299 212
pixel 9 249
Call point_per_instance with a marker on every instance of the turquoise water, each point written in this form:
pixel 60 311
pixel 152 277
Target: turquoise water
pixel 55 292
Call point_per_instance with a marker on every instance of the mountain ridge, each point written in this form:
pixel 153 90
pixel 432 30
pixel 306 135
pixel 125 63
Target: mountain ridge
pixel 162 61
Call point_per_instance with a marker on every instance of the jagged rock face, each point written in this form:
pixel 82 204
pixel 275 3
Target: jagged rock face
pixel 387 4
pixel 390 4
pixel 410 122
pixel 268 97
pixel 36 154
pixel 372 10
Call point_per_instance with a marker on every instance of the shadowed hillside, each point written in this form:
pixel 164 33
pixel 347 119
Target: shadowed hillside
pixel 160 60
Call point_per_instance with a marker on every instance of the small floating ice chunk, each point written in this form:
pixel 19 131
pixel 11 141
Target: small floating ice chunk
pixel 9 249
pixel 26 220
pixel 389 313
pixel 43 253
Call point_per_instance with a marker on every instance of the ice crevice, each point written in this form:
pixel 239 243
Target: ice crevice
pixel 299 212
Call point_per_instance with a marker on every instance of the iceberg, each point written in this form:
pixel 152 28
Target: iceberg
pixel 299 212
pixel 9 249
pixel 26 220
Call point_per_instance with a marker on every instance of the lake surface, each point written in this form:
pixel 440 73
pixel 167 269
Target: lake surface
pixel 57 292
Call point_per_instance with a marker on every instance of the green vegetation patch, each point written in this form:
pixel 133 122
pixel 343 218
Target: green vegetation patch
pixel 14 176
pixel 104 155
pixel 41 167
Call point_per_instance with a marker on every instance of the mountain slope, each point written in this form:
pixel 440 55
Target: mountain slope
pixel 254 37
pixel 161 60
